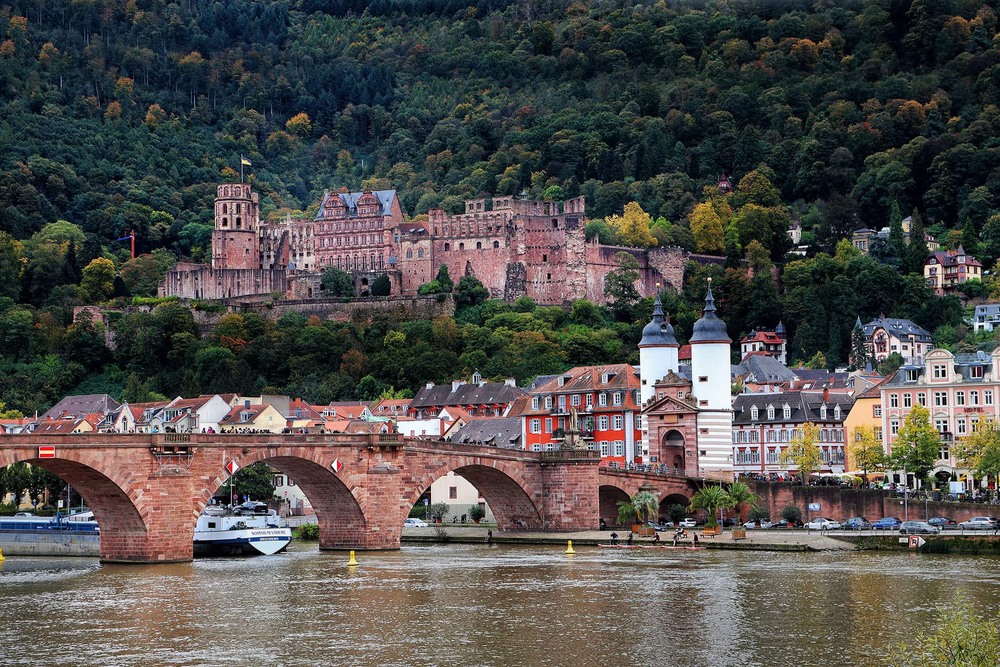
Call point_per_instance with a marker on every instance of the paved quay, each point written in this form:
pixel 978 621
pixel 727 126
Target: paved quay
pixel 756 540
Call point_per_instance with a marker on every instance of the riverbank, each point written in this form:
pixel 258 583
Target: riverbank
pixel 762 540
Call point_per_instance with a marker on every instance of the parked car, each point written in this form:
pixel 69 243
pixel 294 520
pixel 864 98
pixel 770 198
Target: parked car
pixel 979 523
pixel 782 523
pixel 918 528
pixel 941 521
pixel 23 514
pixel 688 523
pixel 414 523
pixel 658 527
pixel 757 524
pixel 857 523
pixel 822 524
pixel 887 523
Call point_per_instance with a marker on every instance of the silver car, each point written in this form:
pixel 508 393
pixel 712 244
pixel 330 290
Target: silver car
pixel 918 528
pixel 979 523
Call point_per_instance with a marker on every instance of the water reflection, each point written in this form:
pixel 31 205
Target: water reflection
pixel 481 605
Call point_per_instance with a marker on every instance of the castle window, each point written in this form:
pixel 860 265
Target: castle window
pixel 420 253
pixel 461 246
pixel 479 245
pixel 409 253
pixel 239 222
pixel 555 224
pixel 545 258
pixel 496 244
pixel 225 222
pixel 447 247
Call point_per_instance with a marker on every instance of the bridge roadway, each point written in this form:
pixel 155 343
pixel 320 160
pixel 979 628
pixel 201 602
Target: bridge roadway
pixel 148 490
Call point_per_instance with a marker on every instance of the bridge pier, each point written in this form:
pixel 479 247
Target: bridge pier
pixel 570 499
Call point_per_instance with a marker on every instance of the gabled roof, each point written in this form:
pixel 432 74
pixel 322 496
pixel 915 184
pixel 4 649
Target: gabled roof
pixel 949 258
pixel 485 393
pixel 350 200
pixel 74 406
pixel 768 337
pixel 502 432
pixel 762 368
pixel 589 379
pixel 342 409
pixel 805 407
pixel 898 328
pixel 254 410
pixel 57 426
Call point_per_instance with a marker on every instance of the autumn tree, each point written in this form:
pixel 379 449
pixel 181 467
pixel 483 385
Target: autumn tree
pixel 708 220
pixel 980 450
pixel 98 281
pixel 632 228
pixel 803 452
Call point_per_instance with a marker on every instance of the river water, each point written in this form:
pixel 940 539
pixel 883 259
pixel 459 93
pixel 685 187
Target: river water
pixel 483 605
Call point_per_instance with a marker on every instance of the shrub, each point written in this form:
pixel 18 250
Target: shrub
pixel 476 512
pixel 307 531
pixel 791 514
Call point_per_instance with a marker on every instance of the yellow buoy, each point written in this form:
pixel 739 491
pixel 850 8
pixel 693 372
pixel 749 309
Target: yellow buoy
pixel 1 554
pixel 569 548
pixel 353 560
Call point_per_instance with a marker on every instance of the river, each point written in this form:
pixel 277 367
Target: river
pixel 482 605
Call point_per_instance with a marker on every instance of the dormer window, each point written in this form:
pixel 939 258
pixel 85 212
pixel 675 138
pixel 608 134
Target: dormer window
pixel 754 413
pixel 476 378
pixel 561 381
pixel 787 411
pixel 548 402
pixel 770 412
pixel 912 374
pixel 534 402
pixel 616 398
pixel 836 412
pixel 822 412
pixel 602 399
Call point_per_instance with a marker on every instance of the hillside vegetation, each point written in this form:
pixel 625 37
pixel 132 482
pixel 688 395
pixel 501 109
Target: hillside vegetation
pixel 123 115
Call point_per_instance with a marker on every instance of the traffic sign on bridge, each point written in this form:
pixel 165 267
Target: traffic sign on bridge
pixel 47 452
pixel 232 467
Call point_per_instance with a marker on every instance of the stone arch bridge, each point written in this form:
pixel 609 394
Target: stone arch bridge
pixel 148 490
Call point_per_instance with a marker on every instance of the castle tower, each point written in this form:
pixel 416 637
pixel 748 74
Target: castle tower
pixel 658 351
pixel 237 217
pixel 711 384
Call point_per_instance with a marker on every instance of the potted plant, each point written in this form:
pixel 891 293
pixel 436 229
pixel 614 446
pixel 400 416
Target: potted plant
pixel 476 513
pixel 439 511
pixel 711 499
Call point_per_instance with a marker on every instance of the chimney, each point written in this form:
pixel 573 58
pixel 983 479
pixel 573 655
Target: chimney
pixel 826 394
pixel 430 385
pixel 510 382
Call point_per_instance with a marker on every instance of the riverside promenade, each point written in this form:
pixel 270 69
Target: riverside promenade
pixel 756 540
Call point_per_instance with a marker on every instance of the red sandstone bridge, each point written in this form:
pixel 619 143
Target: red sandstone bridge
pixel 147 491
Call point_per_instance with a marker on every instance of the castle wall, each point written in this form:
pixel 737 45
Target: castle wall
pixel 197 281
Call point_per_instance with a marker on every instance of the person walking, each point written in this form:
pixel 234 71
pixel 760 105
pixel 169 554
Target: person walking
pixel 628 539
pixel 614 538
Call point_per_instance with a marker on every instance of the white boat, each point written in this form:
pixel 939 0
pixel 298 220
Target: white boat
pixel 249 529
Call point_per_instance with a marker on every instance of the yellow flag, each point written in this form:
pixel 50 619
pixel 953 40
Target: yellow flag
pixel 245 161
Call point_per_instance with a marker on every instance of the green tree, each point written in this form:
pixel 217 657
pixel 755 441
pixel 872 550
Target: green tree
pixel 980 450
pixel 255 481
pixel 711 499
pixel 619 287
pixel 470 292
pixel 741 498
pixel 891 364
pixel 866 451
pixel 640 508
pixel 11 266
pixel 962 637
pixel 803 452
pixel 382 286
pixel 337 283
pixel 444 279
pixel 98 282
pixel 916 446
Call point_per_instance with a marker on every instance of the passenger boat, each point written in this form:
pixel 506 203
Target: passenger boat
pixel 249 529
pixel 78 523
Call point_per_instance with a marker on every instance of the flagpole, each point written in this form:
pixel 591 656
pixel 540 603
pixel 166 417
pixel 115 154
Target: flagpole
pixel 241 167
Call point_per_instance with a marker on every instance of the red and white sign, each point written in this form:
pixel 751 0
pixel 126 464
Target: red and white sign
pixel 47 452
pixel 336 465
pixel 232 467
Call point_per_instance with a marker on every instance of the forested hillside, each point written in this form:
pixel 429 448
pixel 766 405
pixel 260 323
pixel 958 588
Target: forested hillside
pixel 124 115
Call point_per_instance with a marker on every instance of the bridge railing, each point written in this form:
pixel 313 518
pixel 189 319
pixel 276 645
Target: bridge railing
pixel 645 468
pixel 570 455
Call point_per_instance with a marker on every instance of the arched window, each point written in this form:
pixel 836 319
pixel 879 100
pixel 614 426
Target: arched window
pixel 447 247
pixel 420 253
pixel 461 246
pixel 239 222
pixel 496 244
pixel 479 245
pixel 409 253
pixel 770 412
pixel 754 413
pixel 787 411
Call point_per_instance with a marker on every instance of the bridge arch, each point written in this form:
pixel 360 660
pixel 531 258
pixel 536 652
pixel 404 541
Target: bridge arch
pixel 500 483
pixel 341 515
pixel 122 516
pixel 609 496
